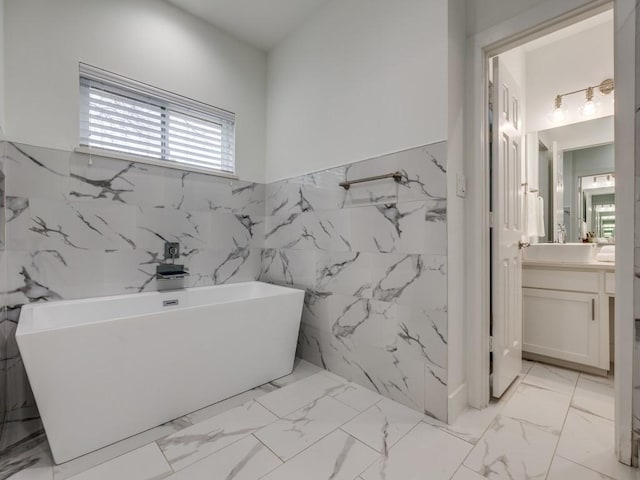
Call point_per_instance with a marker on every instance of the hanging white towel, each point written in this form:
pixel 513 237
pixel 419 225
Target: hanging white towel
pixel 540 217
pixel 532 214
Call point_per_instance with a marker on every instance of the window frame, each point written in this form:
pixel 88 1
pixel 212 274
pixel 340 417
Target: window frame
pixel 180 104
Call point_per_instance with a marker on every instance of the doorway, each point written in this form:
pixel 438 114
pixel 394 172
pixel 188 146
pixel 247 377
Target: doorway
pixel 497 43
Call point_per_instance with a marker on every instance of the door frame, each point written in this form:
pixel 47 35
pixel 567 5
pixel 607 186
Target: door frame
pixel 543 18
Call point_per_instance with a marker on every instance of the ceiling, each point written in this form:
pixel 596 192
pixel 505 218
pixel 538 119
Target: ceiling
pixel 260 23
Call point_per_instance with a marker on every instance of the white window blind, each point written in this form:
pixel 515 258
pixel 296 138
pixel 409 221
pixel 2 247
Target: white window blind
pixel 126 116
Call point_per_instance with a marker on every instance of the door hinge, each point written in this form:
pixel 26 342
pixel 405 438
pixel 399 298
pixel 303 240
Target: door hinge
pixel 490 219
pixel 490 95
pixel 490 344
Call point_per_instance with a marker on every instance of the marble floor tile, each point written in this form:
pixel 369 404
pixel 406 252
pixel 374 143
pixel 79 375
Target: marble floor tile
pixel 247 459
pixel 552 378
pixel 589 441
pixel 383 425
pixel 342 431
pixel 337 456
pixel 80 464
pixel 538 406
pixel 146 463
pixel 295 432
pixel 527 365
pixel 194 443
pixel 512 449
pixel 295 396
pixel 425 452
pixel 470 424
pixel 34 473
pixel 563 469
pixel 227 404
pixel 301 370
pixel 464 473
pixel 356 397
pixel 595 395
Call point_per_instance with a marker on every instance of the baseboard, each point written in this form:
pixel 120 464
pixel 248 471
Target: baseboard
pixel 457 402
pixel 564 364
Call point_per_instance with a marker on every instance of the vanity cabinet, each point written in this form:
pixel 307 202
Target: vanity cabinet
pixel 566 313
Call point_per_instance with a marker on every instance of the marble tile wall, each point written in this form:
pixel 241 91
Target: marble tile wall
pixel 373 261
pixel 80 226
pixel 3 321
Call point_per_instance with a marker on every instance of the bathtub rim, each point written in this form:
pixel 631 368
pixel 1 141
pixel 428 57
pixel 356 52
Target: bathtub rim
pixel 26 319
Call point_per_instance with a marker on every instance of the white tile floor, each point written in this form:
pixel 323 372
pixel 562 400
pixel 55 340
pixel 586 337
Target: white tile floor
pixel 313 425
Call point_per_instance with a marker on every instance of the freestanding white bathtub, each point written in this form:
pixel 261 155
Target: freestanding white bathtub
pixel 103 369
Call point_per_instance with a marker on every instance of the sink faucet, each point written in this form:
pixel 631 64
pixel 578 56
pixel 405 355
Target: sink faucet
pixel 562 233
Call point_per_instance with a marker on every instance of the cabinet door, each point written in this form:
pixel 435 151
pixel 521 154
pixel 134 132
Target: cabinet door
pixel 562 325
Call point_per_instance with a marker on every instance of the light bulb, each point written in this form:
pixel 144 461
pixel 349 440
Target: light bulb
pixel 590 106
pixel 559 112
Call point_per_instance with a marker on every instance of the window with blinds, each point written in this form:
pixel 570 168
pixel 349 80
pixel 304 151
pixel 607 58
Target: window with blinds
pixel 125 116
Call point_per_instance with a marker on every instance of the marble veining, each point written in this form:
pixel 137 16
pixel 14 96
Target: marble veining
pixel 81 226
pixel 373 263
pixel 372 259
pixel 380 440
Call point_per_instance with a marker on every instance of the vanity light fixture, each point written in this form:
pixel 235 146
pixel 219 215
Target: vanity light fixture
pixel 591 105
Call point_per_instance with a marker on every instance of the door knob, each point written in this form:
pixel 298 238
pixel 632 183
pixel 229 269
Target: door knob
pixel 522 244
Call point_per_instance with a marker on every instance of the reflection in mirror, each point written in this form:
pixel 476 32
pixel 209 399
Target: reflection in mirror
pixel 598 207
pixel 589 182
pixel 560 175
pixel 545 176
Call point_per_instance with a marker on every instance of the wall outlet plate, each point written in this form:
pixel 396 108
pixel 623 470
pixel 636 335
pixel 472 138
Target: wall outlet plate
pixel 171 250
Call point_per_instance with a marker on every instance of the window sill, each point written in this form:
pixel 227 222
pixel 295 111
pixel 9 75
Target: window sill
pixel 99 152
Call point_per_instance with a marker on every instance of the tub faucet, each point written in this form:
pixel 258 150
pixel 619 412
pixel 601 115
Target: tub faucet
pixel 171 271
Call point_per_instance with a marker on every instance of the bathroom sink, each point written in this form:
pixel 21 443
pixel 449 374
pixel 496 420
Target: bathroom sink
pixel 560 252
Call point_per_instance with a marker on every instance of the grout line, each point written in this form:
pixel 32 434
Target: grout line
pixel 315 442
pixel 444 428
pixel 507 399
pixel 206 456
pixel 270 411
pixel 458 469
pixel 604 475
pixel 165 457
pixel 363 443
pixel 564 423
pixel 282 462
pixel 360 411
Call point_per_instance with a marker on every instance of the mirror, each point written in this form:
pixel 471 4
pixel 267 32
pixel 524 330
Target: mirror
pixel 570 172
pixel 598 207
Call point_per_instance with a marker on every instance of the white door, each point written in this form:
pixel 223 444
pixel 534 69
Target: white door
pixel 506 291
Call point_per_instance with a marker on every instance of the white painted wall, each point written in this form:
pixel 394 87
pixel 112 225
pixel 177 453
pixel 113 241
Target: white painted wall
pixel 569 64
pixel 148 40
pixel 456 368
pixel 360 79
pixel 482 14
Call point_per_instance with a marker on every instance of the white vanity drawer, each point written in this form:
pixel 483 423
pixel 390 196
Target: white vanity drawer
pixel 560 280
pixel 610 283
